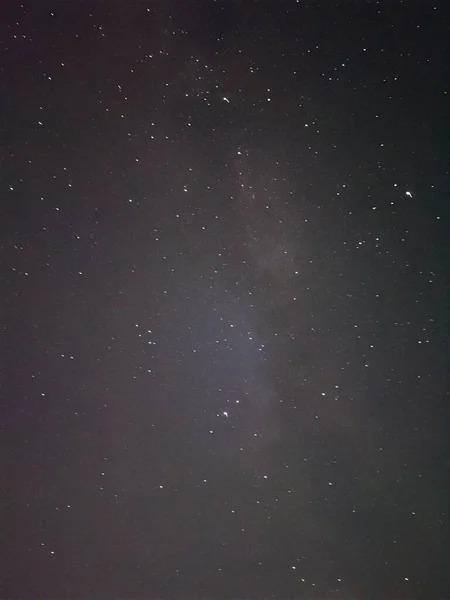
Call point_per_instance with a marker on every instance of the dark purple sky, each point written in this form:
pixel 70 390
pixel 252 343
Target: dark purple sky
pixel 225 325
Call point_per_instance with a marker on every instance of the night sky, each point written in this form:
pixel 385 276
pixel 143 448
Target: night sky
pixel 223 274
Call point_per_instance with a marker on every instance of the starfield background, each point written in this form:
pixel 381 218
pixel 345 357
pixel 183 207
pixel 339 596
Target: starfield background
pixel 223 270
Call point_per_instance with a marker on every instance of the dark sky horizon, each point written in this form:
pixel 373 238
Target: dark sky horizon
pixel 225 321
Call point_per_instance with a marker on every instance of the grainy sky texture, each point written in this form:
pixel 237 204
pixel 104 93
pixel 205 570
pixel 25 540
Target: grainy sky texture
pixel 223 270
